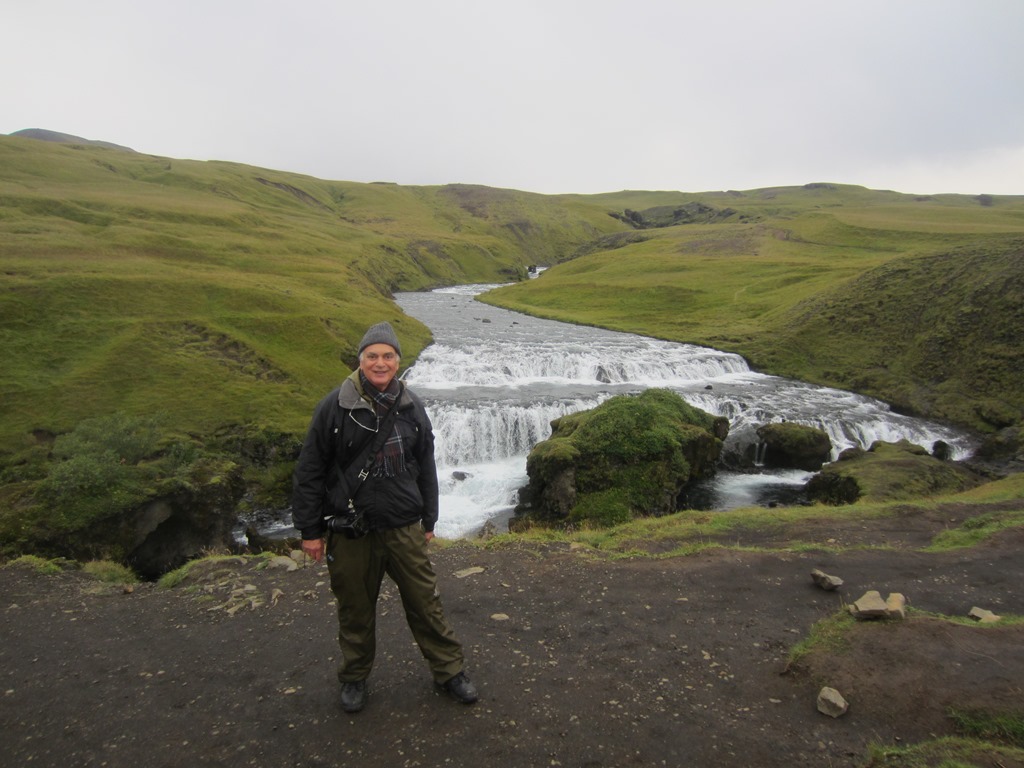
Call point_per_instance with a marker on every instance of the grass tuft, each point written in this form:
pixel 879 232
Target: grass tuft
pixel 947 752
pixel 1004 727
pixel 110 572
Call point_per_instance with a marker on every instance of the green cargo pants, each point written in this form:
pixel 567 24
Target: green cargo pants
pixel 357 568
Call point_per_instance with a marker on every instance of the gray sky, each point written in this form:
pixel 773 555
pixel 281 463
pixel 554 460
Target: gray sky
pixel 921 96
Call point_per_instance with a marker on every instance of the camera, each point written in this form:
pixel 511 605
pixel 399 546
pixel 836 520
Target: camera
pixel 352 524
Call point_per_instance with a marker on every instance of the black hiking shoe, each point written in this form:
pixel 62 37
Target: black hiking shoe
pixel 353 696
pixel 460 688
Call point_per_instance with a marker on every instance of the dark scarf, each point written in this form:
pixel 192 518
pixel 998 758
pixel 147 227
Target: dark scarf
pixel 390 460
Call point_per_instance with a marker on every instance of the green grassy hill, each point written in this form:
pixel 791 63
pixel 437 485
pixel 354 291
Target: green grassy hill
pixel 218 293
pixel 916 300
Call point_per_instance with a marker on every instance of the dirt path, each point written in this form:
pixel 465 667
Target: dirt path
pixel 580 661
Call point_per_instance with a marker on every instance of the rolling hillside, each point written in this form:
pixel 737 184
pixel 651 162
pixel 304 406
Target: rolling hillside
pixel 217 296
pixel 218 293
pixel 916 300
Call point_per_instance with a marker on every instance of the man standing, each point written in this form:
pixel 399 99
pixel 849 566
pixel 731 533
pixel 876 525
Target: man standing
pixel 366 496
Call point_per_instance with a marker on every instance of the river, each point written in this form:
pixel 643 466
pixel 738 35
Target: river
pixel 493 380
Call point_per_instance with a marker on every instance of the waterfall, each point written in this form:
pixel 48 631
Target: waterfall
pixel 494 380
pixel 760 449
pixel 474 434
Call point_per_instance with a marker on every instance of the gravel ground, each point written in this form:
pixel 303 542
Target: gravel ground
pixel 580 660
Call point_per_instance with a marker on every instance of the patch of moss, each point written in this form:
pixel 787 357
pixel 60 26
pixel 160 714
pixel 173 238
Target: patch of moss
pixel 39 564
pixel 110 572
pixel 829 635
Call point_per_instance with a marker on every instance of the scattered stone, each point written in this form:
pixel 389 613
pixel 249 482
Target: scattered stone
pixel 870 606
pixel 831 702
pixel 280 561
pixel 983 616
pixel 473 571
pixel 896 606
pixel 826 582
pixel 499 616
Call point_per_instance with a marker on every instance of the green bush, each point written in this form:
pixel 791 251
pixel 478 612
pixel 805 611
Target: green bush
pixel 119 437
pixel 103 469
pixel 99 471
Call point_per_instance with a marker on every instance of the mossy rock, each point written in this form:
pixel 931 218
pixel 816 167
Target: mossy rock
pixel 795 446
pixel 889 472
pixel 631 456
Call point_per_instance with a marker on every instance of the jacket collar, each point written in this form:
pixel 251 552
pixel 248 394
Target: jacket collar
pixel 352 396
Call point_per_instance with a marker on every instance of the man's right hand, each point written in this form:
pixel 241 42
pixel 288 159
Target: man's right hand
pixel 313 548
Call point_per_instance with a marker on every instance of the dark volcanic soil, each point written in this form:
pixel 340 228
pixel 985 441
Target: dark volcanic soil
pixel 580 660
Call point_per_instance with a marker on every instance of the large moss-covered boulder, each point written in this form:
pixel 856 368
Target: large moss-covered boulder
pixel 180 519
pixel 194 517
pixel 788 445
pixel 888 472
pixel 114 489
pixel 631 456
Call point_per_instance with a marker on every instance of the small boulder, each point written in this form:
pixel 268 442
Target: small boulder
pixel 870 606
pixel 983 616
pixel 896 606
pixel 831 702
pixel 280 561
pixel 825 581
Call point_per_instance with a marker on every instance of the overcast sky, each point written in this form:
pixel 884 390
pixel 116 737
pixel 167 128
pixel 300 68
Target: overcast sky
pixel 551 96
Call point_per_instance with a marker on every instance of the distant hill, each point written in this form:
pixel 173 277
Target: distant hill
pixel 42 134
pixel 917 300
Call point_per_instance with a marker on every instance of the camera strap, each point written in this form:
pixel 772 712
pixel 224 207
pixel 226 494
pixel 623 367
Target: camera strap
pixel 355 474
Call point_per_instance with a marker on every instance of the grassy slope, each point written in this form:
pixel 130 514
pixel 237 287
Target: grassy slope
pixel 915 300
pixel 219 293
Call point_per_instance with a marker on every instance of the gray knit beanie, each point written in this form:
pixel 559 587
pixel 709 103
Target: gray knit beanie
pixel 381 333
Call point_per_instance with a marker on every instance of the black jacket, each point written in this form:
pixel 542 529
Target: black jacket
pixel 334 439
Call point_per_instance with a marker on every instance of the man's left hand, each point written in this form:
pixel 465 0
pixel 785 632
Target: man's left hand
pixel 314 548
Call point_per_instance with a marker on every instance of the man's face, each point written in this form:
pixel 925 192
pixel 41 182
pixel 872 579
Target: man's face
pixel 379 364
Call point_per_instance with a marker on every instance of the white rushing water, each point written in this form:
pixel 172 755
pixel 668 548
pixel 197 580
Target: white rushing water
pixel 493 381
